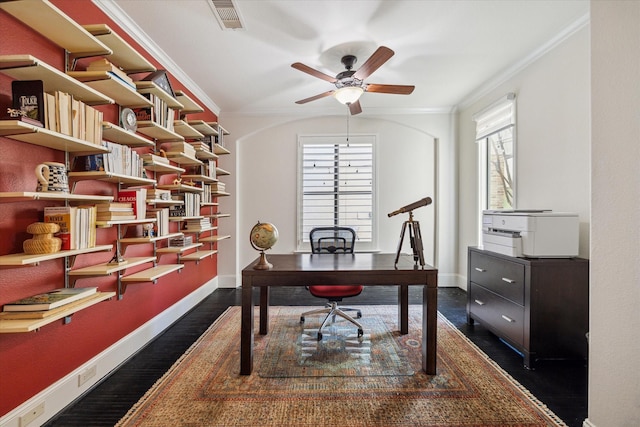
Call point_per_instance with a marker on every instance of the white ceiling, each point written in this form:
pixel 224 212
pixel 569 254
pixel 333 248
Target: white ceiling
pixel 448 49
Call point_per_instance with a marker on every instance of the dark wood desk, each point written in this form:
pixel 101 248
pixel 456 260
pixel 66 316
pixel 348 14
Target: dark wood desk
pixel 367 269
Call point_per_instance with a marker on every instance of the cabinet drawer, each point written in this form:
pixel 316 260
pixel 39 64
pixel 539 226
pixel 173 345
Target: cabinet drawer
pixel 503 277
pixel 502 316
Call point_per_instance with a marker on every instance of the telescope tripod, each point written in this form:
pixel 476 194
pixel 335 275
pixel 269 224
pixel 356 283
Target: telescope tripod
pixel 415 237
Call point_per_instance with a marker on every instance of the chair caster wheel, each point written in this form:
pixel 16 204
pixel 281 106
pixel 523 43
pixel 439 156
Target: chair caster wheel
pixel 358 315
pixel 360 333
pixel 301 319
pixel 319 338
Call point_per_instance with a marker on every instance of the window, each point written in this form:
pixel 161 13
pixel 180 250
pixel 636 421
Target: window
pixel 495 135
pixel 336 186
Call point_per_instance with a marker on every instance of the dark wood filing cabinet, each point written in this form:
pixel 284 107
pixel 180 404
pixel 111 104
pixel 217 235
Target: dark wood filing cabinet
pixel 539 306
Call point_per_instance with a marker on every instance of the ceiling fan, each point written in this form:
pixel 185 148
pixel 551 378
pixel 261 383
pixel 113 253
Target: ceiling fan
pixel 350 84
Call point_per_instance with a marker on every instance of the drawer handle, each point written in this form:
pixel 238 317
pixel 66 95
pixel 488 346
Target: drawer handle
pixel 508 319
pixel 477 301
pixel 481 270
pixel 506 279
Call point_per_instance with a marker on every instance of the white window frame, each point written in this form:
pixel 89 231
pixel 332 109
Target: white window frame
pixel 496 118
pixel 302 238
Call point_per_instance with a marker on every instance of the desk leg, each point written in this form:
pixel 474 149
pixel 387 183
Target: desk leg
pixel 246 331
pixel 264 310
pixel 403 309
pixel 429 328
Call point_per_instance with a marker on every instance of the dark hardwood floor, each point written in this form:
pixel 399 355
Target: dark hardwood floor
pixel 561 385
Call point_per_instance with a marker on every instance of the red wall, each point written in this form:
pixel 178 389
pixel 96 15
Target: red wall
pixel 30 362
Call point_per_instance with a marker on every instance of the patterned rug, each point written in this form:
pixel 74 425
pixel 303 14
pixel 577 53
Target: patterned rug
pixel 204 387
pixel 293 349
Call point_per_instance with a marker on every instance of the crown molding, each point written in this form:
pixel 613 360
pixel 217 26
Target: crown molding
pixel 516 68
pixel 114 12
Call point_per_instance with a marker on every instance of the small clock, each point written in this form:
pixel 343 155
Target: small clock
pixel 161 79
pixel 128 119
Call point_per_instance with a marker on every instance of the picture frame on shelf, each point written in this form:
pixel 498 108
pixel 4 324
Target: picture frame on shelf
pixel 161 78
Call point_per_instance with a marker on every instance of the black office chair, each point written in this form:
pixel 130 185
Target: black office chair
pixel 334 240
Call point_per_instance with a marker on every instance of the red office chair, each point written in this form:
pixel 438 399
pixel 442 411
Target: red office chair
pixel 334 240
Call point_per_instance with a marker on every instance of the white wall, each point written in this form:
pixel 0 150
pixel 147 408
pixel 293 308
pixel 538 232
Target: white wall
pixel 614 378
pixel 264 188
pixel 552 160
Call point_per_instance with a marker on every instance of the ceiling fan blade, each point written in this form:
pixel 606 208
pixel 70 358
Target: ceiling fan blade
pixel 314 73
pixel 355 108
pixel 394 89
pixel 313 98
pixel 379 57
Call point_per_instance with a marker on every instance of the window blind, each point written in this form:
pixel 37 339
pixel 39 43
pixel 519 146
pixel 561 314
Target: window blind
pixel 336 186
pixel 496 117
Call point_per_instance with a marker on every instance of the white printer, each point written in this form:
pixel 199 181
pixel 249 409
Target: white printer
pixel 531 233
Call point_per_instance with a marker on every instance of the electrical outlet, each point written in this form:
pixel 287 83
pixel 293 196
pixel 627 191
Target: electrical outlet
pixel 34 413
pixel 87 375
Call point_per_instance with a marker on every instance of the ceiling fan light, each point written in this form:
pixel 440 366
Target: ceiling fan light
pixel 348 95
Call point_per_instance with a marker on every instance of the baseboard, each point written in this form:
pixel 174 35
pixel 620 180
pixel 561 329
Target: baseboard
pixel 46 404
pixel 228 282
pixel 587 423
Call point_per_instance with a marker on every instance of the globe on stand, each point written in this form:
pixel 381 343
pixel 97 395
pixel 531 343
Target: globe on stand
pixel 263 236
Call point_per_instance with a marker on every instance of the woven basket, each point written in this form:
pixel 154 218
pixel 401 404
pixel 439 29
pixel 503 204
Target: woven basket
pixel 46 246
pixel 43 228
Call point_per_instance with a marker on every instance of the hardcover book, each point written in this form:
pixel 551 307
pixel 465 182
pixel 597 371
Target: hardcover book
pixel 49 300
pixel 65 217
pixel 138 199
pixel 28 96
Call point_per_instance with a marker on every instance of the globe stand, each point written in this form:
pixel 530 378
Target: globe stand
pixel 262 263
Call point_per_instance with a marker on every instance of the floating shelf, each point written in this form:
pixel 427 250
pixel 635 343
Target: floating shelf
pixel 163 167
pixel 116 134
pixel 220 150
pixel 104 224
pixel 27 67
pixel 200 178
pixel 124 56
pixel 144 86
pixel 205 155
pixel 190 106
pixel 106 269
pixel 218 215
pixel 29 325
pixel 22 259
pixel 35 135
pixel 25 196
pixel 164 202
pixel 219 194
pixel 213 239
pixel 177 249
pixel 198 255
pixel 157 132
pixel 181 187
pixel 110 177
pixel 188 132
pixel 105 82
pixel 182 158
pixel 220 171
pixel 141 240
pixel 152 274
pixel 184 218
pixel 55 25
pixel 203 127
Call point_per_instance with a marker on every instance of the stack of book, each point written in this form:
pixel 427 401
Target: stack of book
pixel 120 160
pixel 137 198
pixel 218 187
pixel 201 224
pixel 43 305
pixel 179 147
pixel 158 194
pixel 151 159
pixel 181 241
pixel 116 211
pixel 160 113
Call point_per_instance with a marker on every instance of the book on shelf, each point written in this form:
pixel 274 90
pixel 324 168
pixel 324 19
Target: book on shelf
pixel 138 199
pixel 179 147
pixel 49 300
pixel 65 217
pixel 114 207
pixel 28 96
pixel 181 241
pixel 161 215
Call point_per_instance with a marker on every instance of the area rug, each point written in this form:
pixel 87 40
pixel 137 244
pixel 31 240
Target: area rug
pixel 204 387
pixel 293 349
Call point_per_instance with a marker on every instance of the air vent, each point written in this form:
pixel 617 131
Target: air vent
pixel 227 14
